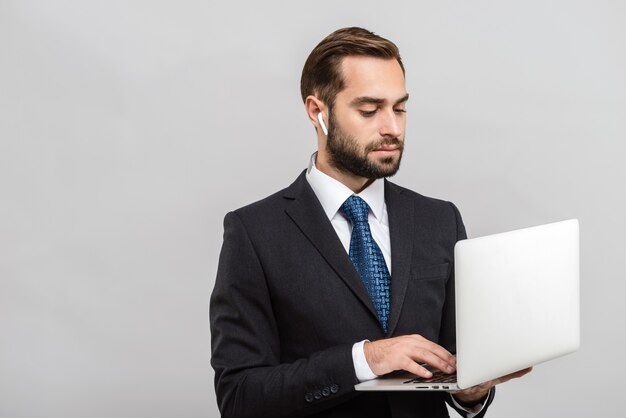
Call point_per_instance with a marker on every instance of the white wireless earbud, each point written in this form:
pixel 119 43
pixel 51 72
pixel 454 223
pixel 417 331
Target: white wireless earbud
pixel 323 125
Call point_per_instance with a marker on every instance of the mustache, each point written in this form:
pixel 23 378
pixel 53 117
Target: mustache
pixel 392 141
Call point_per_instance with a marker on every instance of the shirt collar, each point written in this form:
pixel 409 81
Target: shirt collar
pixel 332 193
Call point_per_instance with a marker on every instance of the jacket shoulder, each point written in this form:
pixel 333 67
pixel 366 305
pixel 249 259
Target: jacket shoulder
pixel 274 203
pixel 438 211
pixel 420 198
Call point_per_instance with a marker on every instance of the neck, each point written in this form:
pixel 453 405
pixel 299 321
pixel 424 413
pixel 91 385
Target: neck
pixel 355 183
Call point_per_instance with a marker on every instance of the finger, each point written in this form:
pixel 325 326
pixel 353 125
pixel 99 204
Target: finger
pixel 505 378
pixel 430 358
pixel 491 383
pixel 412 367
pixel 435 356
pixel 436 349
pixel 514 375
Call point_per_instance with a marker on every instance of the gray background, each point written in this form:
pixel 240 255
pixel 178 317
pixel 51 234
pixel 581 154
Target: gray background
pixel 129 128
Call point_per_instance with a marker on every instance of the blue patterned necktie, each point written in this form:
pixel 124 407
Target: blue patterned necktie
pixel 367 257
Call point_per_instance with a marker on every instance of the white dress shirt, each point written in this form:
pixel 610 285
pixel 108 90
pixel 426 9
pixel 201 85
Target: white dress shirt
pixel 332 193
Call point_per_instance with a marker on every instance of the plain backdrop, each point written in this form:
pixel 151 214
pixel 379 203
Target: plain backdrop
pixel 129 128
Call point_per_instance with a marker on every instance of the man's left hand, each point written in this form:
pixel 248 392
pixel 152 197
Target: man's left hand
pixel 478 393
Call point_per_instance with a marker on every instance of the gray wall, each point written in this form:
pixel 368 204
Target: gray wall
pixel 129 128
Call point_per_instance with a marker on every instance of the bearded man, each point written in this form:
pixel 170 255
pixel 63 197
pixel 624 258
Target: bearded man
pixel 343 276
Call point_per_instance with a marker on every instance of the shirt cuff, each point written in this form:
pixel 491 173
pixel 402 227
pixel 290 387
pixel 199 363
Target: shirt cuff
pixel 361 368
pixel 474 410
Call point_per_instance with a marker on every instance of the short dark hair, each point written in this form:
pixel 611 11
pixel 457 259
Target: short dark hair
pixel 321 75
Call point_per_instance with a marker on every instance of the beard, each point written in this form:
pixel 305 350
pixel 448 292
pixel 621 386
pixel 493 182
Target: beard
pixel 345 155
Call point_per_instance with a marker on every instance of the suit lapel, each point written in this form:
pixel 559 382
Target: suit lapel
pixel 308 214
pixel 401 221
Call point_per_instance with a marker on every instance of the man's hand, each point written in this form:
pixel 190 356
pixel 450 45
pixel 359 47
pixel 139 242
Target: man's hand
pixel 404 353
pixel 477 393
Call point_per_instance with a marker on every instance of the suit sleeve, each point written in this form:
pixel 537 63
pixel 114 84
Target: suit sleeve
pixel 448 328
pixel 250 379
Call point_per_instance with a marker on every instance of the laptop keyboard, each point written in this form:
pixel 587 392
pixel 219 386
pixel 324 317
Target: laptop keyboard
pixel 438 377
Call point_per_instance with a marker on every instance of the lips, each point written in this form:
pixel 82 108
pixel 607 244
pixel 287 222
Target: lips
pixel 386 150
pixel 386 146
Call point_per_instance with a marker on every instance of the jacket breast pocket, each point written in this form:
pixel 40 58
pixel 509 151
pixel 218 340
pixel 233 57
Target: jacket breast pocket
pixel 425 300
pixel 435 271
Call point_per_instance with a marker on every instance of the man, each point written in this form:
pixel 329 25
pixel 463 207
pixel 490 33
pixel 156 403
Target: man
pixel 342 276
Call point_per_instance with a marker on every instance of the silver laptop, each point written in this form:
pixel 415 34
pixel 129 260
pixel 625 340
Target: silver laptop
pixel 517 305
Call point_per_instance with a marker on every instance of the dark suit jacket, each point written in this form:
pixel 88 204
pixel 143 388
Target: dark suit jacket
pixel 288 305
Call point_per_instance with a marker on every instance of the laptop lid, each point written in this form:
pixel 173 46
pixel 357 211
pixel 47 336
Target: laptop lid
pixel 517 300
pixel 517 304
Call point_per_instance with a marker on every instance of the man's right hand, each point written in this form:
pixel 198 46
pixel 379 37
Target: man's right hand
pixel 404 353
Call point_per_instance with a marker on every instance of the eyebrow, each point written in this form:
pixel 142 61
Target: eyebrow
pixel 375 100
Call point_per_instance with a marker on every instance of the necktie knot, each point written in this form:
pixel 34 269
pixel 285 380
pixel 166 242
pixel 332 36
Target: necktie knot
pixel 356 209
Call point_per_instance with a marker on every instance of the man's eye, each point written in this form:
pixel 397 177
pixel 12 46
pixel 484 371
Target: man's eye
pixel 399 110
pixel 368 113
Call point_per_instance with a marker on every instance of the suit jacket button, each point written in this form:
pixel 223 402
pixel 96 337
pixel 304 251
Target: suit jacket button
pixel 334 388
pixel 308 397
pixel 318 395
pixel 325 392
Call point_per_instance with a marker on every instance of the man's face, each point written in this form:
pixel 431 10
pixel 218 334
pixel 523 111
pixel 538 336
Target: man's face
pixel 368 118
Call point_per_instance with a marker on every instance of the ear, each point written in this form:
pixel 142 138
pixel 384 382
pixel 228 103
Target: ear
pixel 313 107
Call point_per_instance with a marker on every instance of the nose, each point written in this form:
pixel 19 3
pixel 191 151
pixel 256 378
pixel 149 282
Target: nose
pixel 392 124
